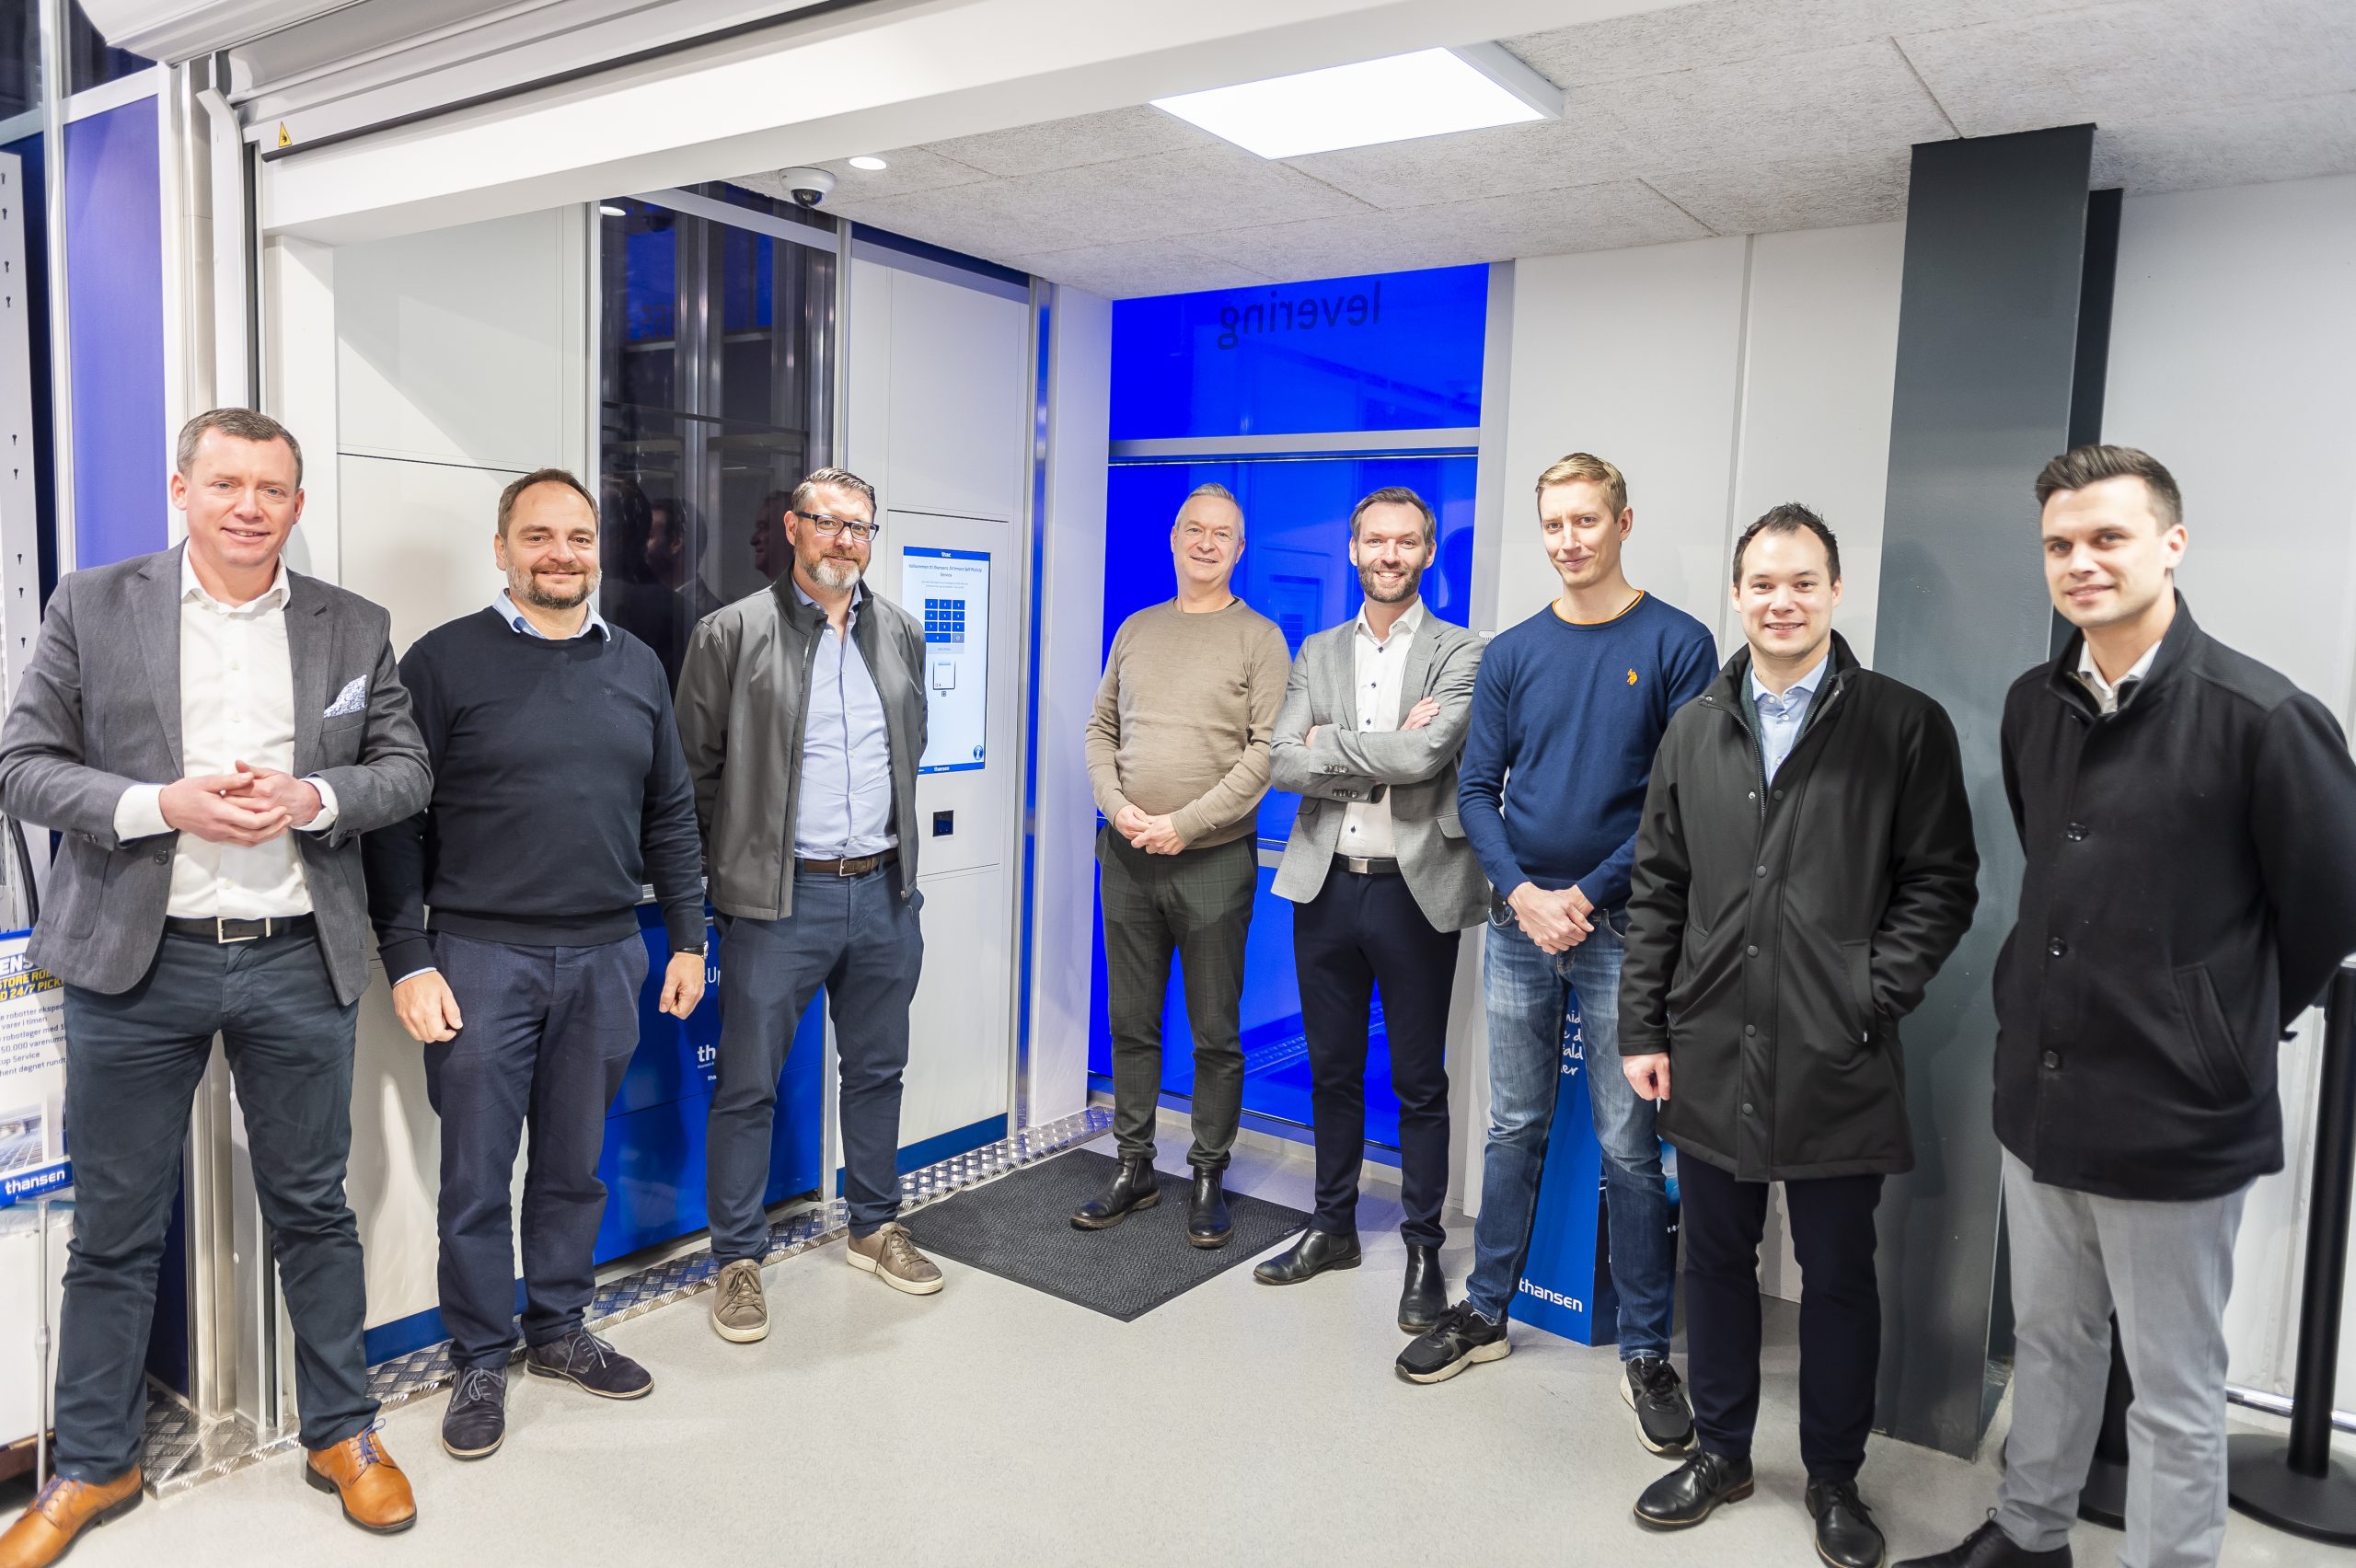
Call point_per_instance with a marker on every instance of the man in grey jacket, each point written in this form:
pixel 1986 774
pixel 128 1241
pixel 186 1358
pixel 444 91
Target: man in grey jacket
pixel 211 733
pixel 802 709
pixel 1373 719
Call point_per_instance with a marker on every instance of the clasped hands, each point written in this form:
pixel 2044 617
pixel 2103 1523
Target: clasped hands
pixel 1556 920
pixel 249 806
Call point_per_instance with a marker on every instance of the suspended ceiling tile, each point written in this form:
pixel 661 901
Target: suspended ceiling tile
pixel 1721 32
pixel 2122 63
pixel 2246 146
pixel 1765 197
pixel 1591 217
pixel 1585 147
pixel 981 219
pixel 1828 103
pixel 1117 133
pixel 1142 267
pixel 911 169
pixel 1216 187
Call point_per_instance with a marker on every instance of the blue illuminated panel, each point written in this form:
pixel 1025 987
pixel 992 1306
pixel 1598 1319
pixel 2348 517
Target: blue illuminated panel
pixel 1400 350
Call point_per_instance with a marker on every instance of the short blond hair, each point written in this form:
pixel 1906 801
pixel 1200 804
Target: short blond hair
pixel 1595 470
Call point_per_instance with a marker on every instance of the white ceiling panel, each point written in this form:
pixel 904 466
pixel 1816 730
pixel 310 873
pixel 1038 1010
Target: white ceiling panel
pixel 912 169
pixel 1136 132
pixel 1827 103
pixel 1140 267
pixel 2231 147
pixel 1766 197
pixel 1585 147
pixel 2127 63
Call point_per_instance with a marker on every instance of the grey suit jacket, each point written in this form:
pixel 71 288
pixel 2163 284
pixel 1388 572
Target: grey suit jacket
pixel 99 711
pixel 1417 766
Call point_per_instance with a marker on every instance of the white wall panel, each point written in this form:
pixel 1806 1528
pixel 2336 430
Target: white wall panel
pixel 2233 359
pixel 416 539
pixel 959 414
pixel 1632 355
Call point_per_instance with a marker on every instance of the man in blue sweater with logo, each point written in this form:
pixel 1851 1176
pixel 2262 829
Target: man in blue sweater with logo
pixel 559 789
pixel 1568 710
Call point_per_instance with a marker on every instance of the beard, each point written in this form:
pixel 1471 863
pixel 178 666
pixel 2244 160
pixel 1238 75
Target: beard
pixel 833 573
pixel 1410 580
pixel 525 588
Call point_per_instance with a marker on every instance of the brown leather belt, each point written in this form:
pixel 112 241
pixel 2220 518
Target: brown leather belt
pixel 859 866
pixel 218 931
pixel 1368 868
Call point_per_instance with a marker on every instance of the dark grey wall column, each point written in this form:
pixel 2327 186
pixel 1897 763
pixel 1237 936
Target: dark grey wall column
pixel 1987 346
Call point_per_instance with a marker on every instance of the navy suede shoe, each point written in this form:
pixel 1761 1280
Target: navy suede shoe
pixel 582 1357
pixel 476 1421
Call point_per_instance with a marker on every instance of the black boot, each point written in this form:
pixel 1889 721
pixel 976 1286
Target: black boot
pixel 1134 1187
pixel 1847 1536
pixel 1691 1492
pixel 1990 1547
pixel 1206 1221
pixel 1316 1252
pixel 1425 1295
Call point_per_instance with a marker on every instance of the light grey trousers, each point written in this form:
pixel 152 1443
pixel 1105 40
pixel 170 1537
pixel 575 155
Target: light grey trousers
pixel 2166 1269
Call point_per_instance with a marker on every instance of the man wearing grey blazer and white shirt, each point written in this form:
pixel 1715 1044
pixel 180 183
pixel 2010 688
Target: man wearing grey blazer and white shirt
pixel 211 733
pixel 1374 716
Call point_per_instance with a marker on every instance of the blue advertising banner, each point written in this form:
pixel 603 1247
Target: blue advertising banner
pixel 1566 1279
pixel 33 1076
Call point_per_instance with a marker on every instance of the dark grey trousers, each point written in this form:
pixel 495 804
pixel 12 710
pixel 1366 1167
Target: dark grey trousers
pixel 133 1062
pixel 858 938
pixel 1196 903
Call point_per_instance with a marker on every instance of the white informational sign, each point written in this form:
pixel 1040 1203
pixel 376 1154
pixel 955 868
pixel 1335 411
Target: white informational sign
pixel 951 590
pixel 32 1075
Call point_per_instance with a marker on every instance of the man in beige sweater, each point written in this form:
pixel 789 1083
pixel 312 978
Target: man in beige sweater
pixel 1178 757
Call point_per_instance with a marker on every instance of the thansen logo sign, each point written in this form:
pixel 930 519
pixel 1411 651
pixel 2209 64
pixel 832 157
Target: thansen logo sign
pixel 32 1075
pixel 1301 311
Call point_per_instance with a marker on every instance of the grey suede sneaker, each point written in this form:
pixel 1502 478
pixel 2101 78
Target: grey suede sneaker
pixel 892 1257
pixel 740 1313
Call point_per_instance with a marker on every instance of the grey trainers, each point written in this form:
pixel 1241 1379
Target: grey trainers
pixel 892 1258
pixel 740 1313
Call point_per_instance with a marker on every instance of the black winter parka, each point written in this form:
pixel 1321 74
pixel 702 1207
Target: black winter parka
pixel 1778 932
pixel 2190 886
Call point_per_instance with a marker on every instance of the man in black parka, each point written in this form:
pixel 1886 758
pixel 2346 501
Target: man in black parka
pixel 1803 867
pixel 2190 821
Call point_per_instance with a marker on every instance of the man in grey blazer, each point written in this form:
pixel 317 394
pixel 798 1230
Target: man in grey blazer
pixel 1374 716
pixel 211 733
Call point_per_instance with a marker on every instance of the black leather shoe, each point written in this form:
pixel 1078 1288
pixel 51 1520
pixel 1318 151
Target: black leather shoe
pixel 1990 1547
pixel 1847 1536
pixel 1425 1295
pixel 1664 1416
pixel 1691 1492
pixel 1316 1252
pixel 1135 1186
pixel 1207 1224
pixel 588 1362
pixel 476 1421
pixel 1460 1338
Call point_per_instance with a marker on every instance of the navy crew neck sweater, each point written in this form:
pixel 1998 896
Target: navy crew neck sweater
pixel 558 790
pixel 1559 750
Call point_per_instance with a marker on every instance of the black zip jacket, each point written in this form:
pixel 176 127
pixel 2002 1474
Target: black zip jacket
pixel 2190 886
pixel 1778 932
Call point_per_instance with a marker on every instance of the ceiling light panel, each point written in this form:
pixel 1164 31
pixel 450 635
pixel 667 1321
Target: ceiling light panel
pixel 1429 93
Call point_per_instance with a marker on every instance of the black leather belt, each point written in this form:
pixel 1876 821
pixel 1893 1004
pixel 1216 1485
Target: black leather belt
pixel 1367 868
pixel 244 930
pixel 858 866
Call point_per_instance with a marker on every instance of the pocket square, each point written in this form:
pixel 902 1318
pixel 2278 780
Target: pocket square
pixel 350 700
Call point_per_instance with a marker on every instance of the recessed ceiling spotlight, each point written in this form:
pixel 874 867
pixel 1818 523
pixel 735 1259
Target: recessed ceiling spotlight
pixel 611 211
pixel 869 162
pixel 1429 93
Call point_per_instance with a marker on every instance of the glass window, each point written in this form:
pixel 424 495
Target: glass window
pixel 20 56
pixel 717 387
pixel 91 61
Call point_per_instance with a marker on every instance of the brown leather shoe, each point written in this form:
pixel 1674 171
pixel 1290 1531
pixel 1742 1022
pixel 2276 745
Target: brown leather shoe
pixel 45 1531
pixel 376 1493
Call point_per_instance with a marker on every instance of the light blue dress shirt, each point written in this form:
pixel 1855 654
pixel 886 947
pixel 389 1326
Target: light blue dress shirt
pixel 515 618
pixel 843 809
pixel 1781 718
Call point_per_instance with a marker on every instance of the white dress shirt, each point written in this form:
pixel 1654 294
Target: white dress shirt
pixel 237 705
pixel 1381 669
pixel 2105 694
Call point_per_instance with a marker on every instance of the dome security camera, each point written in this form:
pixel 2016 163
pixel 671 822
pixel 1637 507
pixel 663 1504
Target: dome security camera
pixel 808 186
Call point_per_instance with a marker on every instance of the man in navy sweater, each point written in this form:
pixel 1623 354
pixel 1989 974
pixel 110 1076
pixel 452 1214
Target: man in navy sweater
pixel 558 790
pixel 1567 712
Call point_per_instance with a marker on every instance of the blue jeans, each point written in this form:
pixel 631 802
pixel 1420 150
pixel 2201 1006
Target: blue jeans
pixel 1525 991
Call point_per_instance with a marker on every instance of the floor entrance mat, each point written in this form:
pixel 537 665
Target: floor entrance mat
pixel 1019 1228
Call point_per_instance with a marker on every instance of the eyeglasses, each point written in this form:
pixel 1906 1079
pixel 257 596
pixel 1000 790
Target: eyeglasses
pixel 830 526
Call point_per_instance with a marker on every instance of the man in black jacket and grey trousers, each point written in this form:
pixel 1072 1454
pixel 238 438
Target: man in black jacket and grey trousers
pixel 1803 866
pixel 2190 821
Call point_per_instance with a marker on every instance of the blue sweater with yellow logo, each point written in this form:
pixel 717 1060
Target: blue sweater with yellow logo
pixel 1565 720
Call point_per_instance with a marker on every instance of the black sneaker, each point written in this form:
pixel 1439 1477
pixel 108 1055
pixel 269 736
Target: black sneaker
pixel 582 1357
pixel 1460 1337
pixel 476 1421
pixel 1664 1416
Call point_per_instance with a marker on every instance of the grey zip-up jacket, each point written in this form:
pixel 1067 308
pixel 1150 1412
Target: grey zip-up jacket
pixel 743 688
